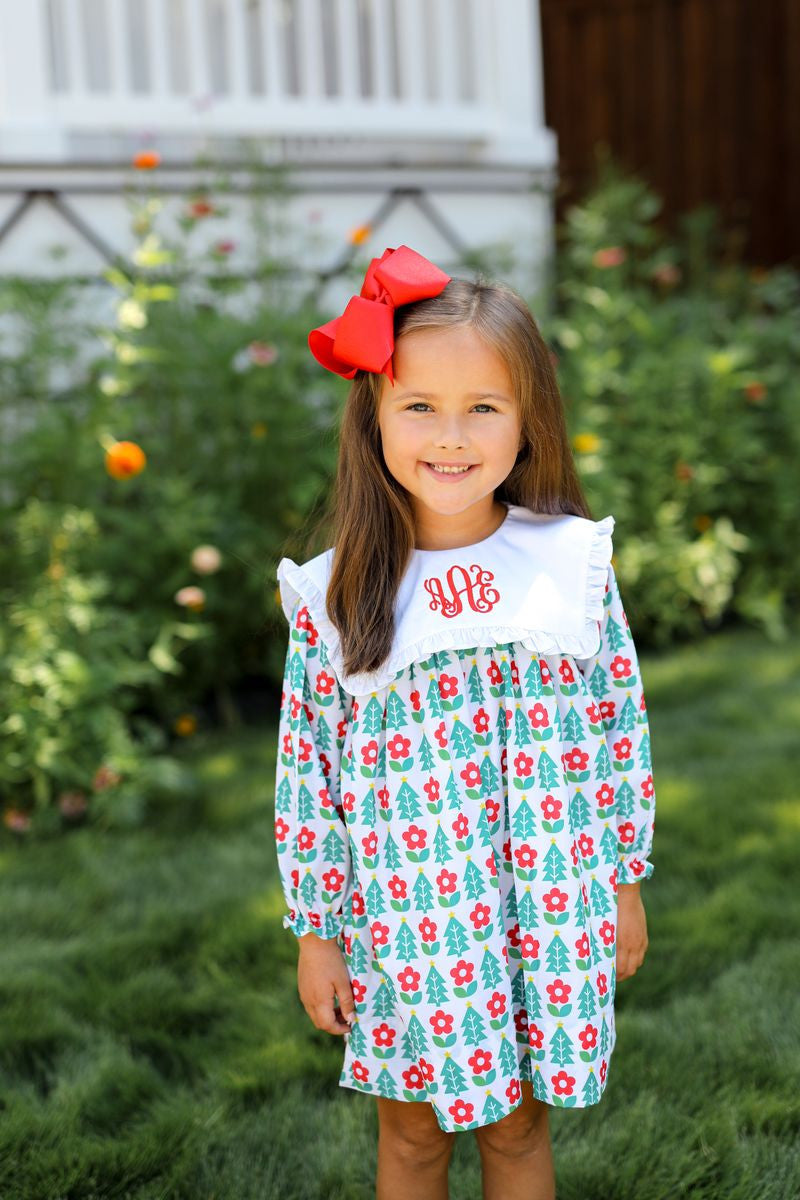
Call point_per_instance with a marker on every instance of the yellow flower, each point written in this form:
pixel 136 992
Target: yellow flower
pixel 360 234
pixel 586 443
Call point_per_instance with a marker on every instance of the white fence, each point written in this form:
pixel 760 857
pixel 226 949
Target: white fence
pixel 317 72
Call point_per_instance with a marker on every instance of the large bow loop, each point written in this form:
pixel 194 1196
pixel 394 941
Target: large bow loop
pixel 362 338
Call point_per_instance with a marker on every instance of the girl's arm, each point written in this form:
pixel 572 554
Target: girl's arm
pixel 310 833
pixel 615 682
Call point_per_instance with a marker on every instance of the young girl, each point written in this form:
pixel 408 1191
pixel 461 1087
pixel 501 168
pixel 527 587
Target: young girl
pixel 464 798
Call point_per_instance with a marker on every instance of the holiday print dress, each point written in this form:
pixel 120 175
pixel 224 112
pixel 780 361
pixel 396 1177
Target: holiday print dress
pixel 462 832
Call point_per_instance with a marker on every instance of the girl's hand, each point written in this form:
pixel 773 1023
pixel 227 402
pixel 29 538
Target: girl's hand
pixel 321 972
pixel 632 939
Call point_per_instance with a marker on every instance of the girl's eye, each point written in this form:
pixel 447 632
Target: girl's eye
pixel 422 404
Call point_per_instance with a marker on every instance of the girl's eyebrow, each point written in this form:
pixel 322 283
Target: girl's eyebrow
pixel 470 395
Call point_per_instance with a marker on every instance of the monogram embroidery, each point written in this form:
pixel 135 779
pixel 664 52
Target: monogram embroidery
pixel 449 599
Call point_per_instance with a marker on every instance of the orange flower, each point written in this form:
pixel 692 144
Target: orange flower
pixel 125 459
pixel 200 208
pixel 105 777
pixel 185 725
pixel 610 256
pixel 146 160
pixel 360 234
pixel 755 391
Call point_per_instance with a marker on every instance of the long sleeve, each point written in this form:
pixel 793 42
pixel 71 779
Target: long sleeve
pixel 615 681
pixel 310 832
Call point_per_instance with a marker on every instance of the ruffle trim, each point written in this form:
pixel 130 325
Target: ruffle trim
pixel 295 584
pixel 299 924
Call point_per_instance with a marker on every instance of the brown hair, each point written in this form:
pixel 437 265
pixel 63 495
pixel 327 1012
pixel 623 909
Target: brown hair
pixel 368 517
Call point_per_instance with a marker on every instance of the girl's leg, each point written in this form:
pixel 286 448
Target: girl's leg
pixel 413 1152
pixel 516 1156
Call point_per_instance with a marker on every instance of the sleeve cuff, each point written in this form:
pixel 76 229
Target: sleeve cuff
pixel 329 926
pixel 632 869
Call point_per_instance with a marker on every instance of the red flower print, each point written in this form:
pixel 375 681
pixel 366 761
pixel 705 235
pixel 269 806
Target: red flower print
pixel 448 686
pixel 383 796
pixel 602 1071
pixel 370 844
pixel 626 832
pixel 369 754
pixel 604 796
pixel 555 900
pixel 575 760
pixel 325 763
pixel 623 749
pixel 513 1091
pixel 521 1022
pixel 398 887
pixel 551 808
pixel 496 1005
pixel 380 934
pixel 441 1024
pixel 491 866
pixel 409 979
pixel 463 972
pixel 431 789
pixel 471 775
pixel 602 985
pixel 281 829
pixel 523 765
pixel 492 810
pixel 620 667
pixel 512 935
pixel 586 845
pixel 559 992
pixel 324 684
pixel 304 754
pixel 647 787
pixel 480 916
pixel 440 733
pixel 462 1113
pixel 636 866
pixel 333 880
pixel 526 857
pixel 427 930
pixel 608 710
pixel 565 671
pixel 514 672
pixel 544 671
pixel 384 1035
pixel 480 721
pixel 563 1083
pixel 461 826
pixel 582 946
pixel 358 903
pixel 607 933
pixel 415 838
pixel 305 839
pixel 539 716
pixel 415 701
pixel 426 1069
pixel 495 674
pixel 481 1062
pixel 529 946
pixel 446 882
pixel 412 1079
pixel 286 744
pixel 349 802
pixel 594 714
pixel 535 1037
pixel 588 1037
pixel 360 1071
pixel 399 746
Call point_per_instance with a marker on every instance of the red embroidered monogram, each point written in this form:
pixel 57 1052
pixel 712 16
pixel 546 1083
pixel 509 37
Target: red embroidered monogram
pixel 450 599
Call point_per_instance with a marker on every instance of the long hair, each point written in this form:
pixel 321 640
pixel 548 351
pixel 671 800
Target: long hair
pixel 369 519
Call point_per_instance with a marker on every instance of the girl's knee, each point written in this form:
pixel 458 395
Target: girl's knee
pixel 411 1130
pixel 521 1131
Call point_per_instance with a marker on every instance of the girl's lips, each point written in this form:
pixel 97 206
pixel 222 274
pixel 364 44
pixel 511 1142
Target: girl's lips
pixel 449 476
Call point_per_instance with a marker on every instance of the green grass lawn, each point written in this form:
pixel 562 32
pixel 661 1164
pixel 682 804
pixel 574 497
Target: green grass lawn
pixel 152 1043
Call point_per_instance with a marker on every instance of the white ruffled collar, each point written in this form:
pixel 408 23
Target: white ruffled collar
pixel 539 579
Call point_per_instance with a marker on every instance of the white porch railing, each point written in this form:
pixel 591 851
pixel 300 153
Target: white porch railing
pixel 467 71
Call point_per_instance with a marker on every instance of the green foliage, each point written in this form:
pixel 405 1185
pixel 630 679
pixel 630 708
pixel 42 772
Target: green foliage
pixel 680 369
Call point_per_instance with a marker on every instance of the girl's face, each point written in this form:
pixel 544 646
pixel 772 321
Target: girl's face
pixel 453 404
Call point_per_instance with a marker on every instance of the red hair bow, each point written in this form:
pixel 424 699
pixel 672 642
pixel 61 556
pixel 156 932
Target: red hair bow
pixel 363 336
